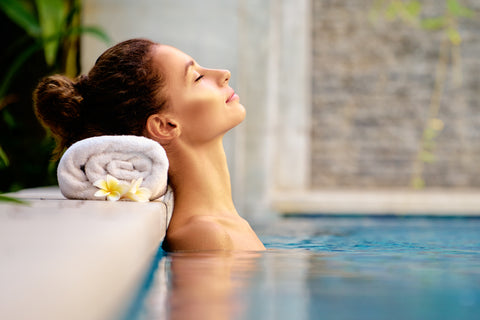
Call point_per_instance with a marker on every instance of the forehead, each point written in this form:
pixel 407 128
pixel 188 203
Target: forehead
pixel 170 61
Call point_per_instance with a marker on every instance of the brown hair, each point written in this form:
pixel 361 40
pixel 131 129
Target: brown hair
pixel 116 97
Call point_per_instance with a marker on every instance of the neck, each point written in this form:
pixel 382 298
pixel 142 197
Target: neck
pixel 200 179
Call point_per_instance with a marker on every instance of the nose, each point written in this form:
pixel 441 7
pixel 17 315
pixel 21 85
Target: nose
pixel 223 77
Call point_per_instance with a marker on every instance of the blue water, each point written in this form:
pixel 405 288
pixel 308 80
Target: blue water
pixel 329 268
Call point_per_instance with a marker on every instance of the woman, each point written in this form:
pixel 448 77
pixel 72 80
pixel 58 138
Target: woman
pixel 139 87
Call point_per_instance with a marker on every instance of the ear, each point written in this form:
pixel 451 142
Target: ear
pixel 162 128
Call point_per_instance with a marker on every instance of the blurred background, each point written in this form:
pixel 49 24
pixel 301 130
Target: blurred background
pixel 377 96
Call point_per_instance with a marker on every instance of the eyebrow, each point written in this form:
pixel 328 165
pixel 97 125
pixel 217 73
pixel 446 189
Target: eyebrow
pixel 187 66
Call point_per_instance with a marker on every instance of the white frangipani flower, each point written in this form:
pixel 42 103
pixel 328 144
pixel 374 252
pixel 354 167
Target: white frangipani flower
pixel 137 193
pixel 111 188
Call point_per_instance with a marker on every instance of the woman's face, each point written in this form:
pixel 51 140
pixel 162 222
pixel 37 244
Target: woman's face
pixel 199 99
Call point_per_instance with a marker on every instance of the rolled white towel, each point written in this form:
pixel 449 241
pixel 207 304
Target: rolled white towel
pixel 126 158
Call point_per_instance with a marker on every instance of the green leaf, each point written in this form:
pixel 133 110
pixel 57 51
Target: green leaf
pixel 17 46
pixel 429 134
pixel 418 183
pixel 455 8
pixel 413 8
pixel 433 23
pixel 427 157
pixel 72 18
pixel 391 12
pixel 92 30
pixel 8 118
pixel 12 199
pixel 15 66
pixel 51 14
pixel 50 50
pixel 19 13
pixel 454 36
pixel 4 162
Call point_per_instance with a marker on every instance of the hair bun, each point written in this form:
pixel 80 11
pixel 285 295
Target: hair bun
pixel 81 84
pixel 58 105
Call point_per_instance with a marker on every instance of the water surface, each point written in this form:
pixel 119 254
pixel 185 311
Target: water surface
pixel 329 268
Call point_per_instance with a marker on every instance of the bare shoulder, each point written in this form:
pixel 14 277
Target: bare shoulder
pixel 199 233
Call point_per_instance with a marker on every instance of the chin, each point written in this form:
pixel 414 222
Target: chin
pixel 242 110
pixel 242 114
pixel 236 116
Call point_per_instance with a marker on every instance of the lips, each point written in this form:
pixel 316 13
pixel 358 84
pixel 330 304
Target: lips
pixel 232 97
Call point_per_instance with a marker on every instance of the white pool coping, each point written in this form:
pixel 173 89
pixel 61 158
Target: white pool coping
pixel 405 202
pixel 73 259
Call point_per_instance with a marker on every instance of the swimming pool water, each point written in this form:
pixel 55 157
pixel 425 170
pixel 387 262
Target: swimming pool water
pixel 329 268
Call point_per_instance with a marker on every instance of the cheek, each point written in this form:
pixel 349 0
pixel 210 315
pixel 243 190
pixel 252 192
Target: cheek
pixel 199 117
pixel 203 106
pixel 204 117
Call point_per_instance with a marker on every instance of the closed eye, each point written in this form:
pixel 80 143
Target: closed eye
pixel 198 78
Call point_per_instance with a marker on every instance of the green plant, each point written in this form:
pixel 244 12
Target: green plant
pixel 47 30
pixel 4 198
pixel 410 12
pixel 54 25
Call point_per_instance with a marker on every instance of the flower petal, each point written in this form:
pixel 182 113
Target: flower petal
pixel 130 196
pixel 113 196
pixel 122 188
pixel 138 198
pixel 145 192
pixel 136 184
pixel 101 193
pixel 141 198
pixel 142 195
pixel 101 184
pixel 112 182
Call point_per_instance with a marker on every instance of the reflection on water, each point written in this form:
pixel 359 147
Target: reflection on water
pixel 229 286
pixel 329 269
pixel 203 285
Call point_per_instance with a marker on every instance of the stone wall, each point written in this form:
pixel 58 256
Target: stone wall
pixel 372 87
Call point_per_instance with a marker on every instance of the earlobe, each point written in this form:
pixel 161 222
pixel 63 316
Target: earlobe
pixel 161 128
